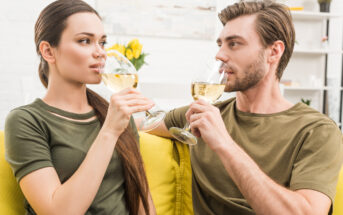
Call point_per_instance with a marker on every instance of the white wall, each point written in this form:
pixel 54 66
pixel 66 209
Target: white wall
pixel 18 60
pixel 171 60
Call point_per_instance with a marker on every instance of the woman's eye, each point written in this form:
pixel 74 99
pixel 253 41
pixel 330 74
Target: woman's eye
pixel 103 43
pixel 84 41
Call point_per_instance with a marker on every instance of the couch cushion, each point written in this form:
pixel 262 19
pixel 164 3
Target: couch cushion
pixel 338 204
pixel 161 167
pixel 167 166
pixel 11 197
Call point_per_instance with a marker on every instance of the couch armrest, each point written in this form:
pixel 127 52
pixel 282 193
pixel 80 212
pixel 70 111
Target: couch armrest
pixel 338 204
pixel 11 197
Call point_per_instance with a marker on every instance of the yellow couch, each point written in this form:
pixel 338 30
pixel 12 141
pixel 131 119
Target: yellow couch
pixel 169 175
pixel 168 171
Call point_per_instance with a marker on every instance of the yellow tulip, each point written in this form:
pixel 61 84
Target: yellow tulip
pixel 136 47
pixel 133 42
pixel 137 50
pixel 129 54
pixel 136 53
pixel 117 47
pixel 121 49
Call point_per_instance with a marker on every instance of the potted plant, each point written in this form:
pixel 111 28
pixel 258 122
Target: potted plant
pixel 324 5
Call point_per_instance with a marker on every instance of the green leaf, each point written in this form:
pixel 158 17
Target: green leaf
pixel 139 62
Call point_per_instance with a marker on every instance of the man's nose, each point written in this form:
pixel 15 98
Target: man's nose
pixel 222 55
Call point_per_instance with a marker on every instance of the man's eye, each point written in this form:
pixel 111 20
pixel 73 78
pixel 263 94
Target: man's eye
pixel 84 41
pixel 233 44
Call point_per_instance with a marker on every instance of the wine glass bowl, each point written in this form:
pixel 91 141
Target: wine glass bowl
pixel 118 74
pixel 209 88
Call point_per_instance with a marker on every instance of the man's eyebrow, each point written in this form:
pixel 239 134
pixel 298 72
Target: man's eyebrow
pixel 228 38
pixel 91 34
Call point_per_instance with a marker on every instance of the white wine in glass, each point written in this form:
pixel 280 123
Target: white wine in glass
pixel 118 82
pixel 118 74
pixel 209 90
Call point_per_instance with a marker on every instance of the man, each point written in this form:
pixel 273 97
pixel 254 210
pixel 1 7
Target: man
pixel 259 153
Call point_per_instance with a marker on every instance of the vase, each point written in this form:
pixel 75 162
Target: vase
pixel 324 7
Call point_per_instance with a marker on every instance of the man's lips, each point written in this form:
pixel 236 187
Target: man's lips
pixel 227 69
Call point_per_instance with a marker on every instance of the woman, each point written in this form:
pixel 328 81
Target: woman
pixel 72 152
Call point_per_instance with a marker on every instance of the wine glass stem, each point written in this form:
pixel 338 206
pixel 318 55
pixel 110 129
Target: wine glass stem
pixel 187 127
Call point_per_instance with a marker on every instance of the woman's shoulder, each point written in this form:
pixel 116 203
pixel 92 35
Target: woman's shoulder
pixel 23 114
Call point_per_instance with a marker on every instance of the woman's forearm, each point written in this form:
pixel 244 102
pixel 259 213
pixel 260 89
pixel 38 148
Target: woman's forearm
pixel 77 193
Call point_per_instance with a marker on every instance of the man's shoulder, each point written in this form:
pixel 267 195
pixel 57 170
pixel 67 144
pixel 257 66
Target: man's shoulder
pixel 226 103
pixel 308 121
pixel 308 114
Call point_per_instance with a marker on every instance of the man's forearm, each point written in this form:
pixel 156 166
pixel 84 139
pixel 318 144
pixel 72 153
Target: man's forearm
pixel 262 193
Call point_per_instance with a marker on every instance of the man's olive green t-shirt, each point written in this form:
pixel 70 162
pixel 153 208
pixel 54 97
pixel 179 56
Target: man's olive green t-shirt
pixel 299 148
pixel 35 137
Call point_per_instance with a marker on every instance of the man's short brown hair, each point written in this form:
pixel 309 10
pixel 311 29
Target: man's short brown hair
pixel 273 22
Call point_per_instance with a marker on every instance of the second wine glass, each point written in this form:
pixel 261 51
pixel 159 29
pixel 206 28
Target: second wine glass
pixel 118 74
pixel 209 87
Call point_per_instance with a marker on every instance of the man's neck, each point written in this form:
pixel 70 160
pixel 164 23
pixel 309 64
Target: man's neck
pixel 264 98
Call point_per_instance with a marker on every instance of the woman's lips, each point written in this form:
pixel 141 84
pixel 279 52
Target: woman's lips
pixel 98 68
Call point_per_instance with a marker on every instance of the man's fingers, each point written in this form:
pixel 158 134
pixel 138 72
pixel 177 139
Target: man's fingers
pixel 195 108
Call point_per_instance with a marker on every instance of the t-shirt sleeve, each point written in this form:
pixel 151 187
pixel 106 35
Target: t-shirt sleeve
pixel 26 144
pixel 176 117
pixel 319 161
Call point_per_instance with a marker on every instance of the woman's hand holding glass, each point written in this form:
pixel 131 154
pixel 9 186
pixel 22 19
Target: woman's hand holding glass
pixel 122 105
pixel 120 74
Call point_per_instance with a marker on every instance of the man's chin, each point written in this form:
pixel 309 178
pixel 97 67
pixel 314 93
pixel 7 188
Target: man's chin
pixel 229 89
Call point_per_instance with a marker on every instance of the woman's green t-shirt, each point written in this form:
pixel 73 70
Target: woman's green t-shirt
pixel 38 135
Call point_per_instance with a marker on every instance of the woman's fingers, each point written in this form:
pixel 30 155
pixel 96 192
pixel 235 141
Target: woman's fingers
pixel 128 91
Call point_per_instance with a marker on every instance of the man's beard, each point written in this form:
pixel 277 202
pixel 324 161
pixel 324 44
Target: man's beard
pixel 252 75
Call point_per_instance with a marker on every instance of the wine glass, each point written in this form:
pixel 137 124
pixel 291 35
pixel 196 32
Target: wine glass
pixel 118 74
pixel 209 89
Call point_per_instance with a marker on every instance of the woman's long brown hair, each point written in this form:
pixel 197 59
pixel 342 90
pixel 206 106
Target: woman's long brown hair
pixel 49 27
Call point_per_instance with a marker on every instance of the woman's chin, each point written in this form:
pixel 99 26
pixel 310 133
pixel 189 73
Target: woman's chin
pixel 95 81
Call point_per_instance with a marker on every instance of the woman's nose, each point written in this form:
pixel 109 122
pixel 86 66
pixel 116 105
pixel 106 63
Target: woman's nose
pixel 99 52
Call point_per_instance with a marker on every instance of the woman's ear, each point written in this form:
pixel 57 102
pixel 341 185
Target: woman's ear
pixel 276 51
pixel 47 52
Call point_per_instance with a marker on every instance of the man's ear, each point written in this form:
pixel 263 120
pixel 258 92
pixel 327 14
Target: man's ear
pixel 47 52
pixel 276 51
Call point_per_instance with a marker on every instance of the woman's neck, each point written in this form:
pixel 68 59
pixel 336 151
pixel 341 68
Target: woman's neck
pixel 68 96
